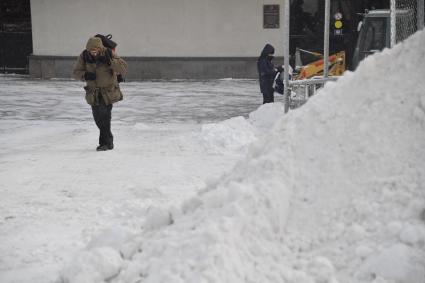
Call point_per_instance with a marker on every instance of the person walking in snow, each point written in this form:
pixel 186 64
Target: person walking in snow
pixel 98 66
pixel 267 73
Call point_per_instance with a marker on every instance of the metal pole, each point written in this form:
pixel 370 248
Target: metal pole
pixel 393 22
pixel 286 15
pixel 420 14
pixel 326 39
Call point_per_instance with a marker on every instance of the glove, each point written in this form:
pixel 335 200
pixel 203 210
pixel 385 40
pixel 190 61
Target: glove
pixel 87 57
pixel 89 76
pixel 279 69
pixel 106 58
pixel 120 78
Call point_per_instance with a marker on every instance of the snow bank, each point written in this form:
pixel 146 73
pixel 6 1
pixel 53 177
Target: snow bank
pixel 333 193
pixel 236 134
pixel 357 189
pixel 231 135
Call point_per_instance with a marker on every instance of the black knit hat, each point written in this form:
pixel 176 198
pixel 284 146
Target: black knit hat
pixel 106 40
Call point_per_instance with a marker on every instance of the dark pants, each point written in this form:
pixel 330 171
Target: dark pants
pixel 102 117
pixel 268 97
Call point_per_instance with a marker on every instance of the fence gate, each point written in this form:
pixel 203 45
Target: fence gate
pixel 15 36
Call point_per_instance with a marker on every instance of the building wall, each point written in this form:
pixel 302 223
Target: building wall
pixel 159 28
pixel 152 68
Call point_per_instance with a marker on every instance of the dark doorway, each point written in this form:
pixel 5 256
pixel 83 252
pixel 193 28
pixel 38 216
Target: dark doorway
pixel 15 36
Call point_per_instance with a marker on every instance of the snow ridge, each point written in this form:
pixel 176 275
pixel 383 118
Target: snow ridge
pixel 333 192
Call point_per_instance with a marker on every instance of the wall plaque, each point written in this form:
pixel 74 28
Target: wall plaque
pixel 271 16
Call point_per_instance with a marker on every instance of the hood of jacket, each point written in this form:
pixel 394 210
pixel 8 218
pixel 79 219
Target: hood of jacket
pixel 268 49
pixel 94 42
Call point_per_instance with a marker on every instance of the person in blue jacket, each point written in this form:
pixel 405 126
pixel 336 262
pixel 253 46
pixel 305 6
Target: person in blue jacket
pixel 267 73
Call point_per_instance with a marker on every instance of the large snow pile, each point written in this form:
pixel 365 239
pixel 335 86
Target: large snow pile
pixel 334 192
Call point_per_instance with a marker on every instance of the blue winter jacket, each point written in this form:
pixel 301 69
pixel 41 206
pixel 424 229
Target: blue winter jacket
pixel 266 70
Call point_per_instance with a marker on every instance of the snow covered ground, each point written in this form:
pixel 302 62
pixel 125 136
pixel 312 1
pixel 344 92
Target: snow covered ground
pixel 58 192
pixel 207 188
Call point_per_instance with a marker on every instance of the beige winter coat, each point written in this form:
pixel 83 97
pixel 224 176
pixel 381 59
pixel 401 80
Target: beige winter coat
pixel 106 83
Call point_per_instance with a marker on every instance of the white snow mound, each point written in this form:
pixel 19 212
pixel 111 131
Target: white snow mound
pixel 328 195
pixel 237 134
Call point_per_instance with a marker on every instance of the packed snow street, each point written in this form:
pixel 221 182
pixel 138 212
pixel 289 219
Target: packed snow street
pixel 60 191
pixel 203 185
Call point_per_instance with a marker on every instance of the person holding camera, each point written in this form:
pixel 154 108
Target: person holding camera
pixel 109 43
pixel 98 66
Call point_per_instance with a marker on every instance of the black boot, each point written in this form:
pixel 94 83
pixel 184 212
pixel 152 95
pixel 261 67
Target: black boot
pixel 102 147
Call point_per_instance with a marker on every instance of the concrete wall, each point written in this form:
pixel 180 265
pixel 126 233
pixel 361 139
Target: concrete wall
pixel 161 28
pixel 151 68
pixel 159 38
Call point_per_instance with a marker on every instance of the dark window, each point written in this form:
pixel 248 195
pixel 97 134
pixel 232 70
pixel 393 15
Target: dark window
pixel 374 36
pixel 15 36
pixel 270 16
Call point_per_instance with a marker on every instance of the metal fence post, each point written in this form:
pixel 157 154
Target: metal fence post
pixel 326 39
pixel 286 15
pixel 393 22
pixel 420 14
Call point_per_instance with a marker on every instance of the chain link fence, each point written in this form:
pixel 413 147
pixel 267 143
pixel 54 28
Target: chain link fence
pixel 407 16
